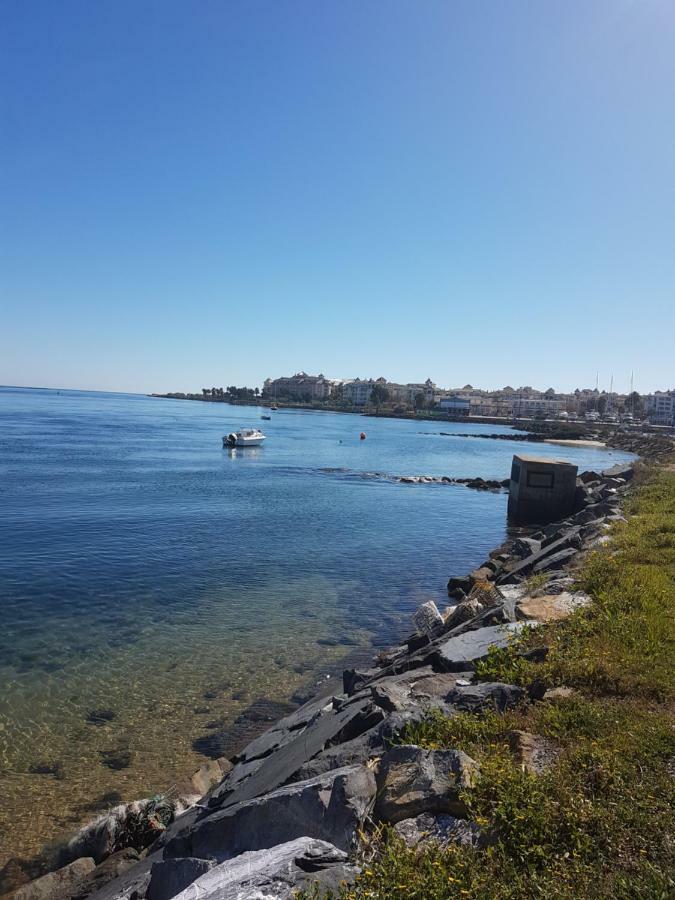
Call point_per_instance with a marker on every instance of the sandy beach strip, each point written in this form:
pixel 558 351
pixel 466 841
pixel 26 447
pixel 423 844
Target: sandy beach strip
pixel 572 443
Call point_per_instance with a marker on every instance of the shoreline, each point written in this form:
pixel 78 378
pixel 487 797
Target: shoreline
pixel 410 655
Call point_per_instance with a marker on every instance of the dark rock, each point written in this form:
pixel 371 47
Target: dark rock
pixel 100 716
pixel 620 470
pixel 349 753
pixel 330 807
pixel 536 654
pixel 168 877
pixel 355 679
pixel 411 781
pixel 462 584
pixel 537 690
pixel 486 695
pixel 116 759
pixel 460 653
pixel 279 767
pixel 555 560
pixel 417 641
pixel 524 547
pixel 47 768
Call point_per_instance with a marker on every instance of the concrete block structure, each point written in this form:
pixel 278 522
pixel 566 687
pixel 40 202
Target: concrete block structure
pixel 541 489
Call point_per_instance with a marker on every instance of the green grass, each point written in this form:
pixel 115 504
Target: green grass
pixel 600 823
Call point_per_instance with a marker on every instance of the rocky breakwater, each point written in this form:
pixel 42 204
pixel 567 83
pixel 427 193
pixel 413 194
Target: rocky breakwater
pixel 288 811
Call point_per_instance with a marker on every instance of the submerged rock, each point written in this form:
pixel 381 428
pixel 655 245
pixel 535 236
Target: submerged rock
pixel 100 716
pixel 60 884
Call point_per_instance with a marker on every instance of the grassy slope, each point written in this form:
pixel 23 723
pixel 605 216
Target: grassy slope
pixel 600 822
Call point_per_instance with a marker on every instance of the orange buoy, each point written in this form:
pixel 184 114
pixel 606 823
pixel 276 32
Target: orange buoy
pixel 363 435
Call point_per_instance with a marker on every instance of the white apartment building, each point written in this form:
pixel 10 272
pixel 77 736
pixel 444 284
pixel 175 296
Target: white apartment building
pixel 660 407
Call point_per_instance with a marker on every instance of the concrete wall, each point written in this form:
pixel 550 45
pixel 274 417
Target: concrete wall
pixel 541 490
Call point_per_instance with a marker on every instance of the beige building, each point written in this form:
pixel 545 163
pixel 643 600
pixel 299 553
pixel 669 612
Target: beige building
pixel 300 387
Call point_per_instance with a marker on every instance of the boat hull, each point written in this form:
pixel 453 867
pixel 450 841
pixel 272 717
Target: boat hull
pixel 249 442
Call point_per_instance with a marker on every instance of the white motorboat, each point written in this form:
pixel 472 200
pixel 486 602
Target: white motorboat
pixel 245 437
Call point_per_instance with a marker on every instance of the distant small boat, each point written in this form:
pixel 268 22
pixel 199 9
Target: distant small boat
pixel 245 437
pixel 267 418
pixel 274 407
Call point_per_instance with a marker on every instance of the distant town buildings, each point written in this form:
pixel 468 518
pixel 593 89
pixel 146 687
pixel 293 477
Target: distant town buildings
pixel 508 402
pixel 301 387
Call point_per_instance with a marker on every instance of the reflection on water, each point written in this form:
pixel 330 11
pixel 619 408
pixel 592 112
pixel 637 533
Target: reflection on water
pixel 154 585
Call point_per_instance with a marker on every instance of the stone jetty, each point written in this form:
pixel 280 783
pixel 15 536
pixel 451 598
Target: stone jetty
pixel 288 811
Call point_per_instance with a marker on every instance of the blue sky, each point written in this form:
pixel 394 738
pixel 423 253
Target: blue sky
pixel 198 193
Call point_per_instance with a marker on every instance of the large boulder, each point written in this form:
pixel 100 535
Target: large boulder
pixel 261 776
pixel 551 607
pixel 329 807
pixel 275 874
pixel 411 781
pixel 461 652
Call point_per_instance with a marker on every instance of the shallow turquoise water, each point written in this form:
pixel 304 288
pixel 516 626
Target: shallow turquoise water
pixel 146 571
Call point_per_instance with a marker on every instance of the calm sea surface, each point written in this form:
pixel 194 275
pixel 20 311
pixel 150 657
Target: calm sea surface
pixel 154 586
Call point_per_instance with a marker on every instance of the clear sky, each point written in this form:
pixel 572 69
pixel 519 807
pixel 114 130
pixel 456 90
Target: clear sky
pixel 207 193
